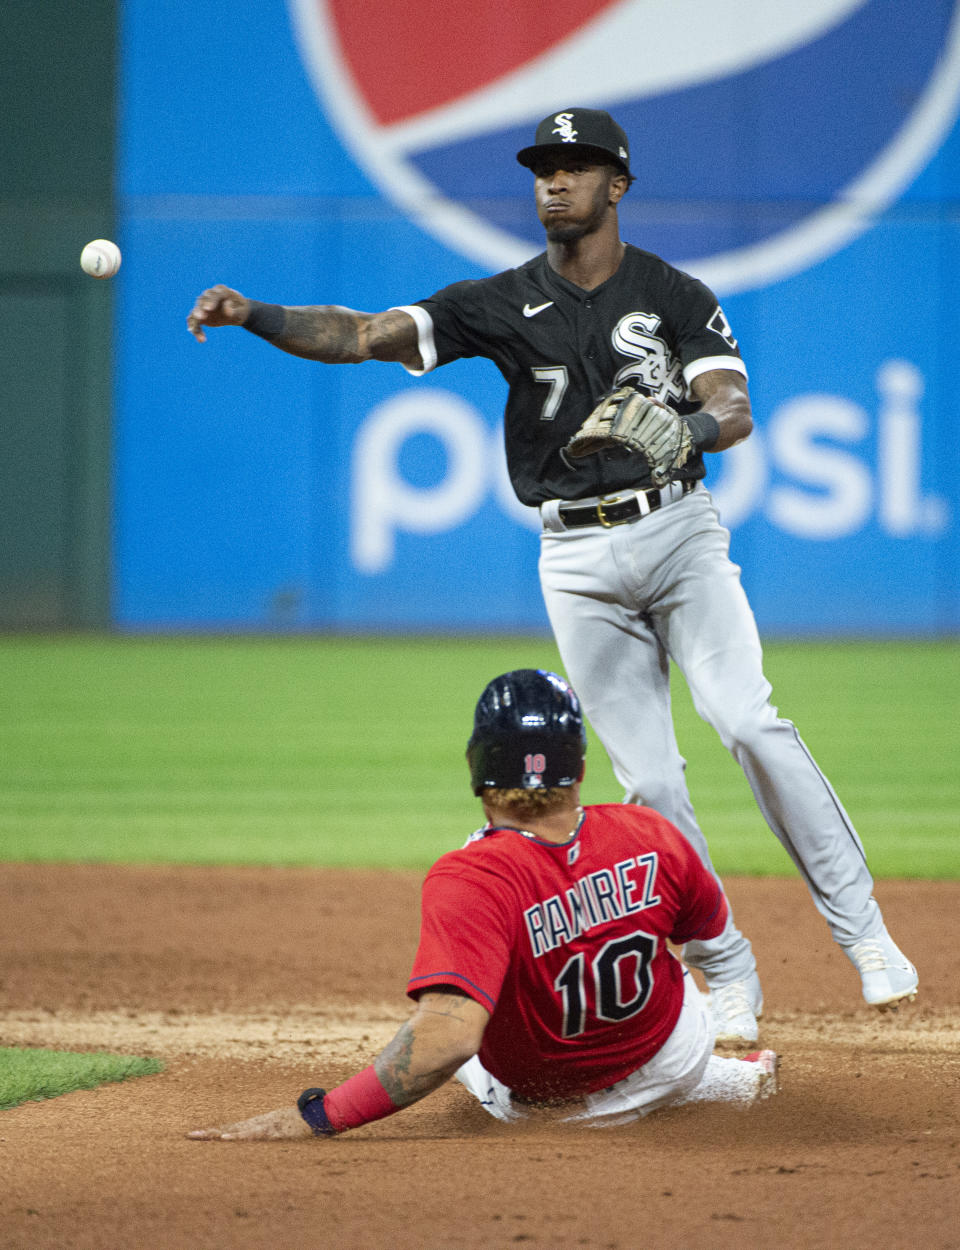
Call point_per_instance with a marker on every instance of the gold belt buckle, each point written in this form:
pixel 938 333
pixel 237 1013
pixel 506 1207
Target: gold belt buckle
pixel 609 499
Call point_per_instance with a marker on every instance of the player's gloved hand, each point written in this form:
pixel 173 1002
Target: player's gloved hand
pixel 626 418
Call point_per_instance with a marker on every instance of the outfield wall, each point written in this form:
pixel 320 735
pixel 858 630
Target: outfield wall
pixel 807 165
pixel 57 156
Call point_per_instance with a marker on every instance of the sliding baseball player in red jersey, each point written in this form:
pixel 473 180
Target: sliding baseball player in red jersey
pixel 543 979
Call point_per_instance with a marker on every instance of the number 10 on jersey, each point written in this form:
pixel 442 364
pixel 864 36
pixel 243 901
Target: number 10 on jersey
pixel 622 982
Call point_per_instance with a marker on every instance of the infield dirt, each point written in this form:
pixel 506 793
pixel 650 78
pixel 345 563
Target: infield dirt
pixel 251 984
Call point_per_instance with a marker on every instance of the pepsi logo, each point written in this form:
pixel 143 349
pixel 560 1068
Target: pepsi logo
pixel 764 136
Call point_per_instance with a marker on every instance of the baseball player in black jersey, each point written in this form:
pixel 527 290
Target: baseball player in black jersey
pixel 622 373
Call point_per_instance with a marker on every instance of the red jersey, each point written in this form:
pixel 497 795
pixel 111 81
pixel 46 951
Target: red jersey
pixel 566 946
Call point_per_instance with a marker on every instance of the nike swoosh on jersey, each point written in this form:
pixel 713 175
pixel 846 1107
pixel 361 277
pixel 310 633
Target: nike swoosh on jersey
pixel 532 312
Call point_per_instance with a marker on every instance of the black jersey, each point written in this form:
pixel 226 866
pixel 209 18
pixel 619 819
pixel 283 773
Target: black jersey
pixel 560 348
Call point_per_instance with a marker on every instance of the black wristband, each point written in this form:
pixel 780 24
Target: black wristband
pixel 310 1106
pixel 265 320
pixel 704 428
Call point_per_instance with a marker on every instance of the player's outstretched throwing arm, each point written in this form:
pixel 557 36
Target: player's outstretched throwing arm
pixel 329 333
pixel 443 1033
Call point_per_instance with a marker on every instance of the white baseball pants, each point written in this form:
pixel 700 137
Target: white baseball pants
pixel 685 1070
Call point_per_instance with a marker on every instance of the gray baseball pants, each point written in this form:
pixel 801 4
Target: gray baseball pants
pixel 624 601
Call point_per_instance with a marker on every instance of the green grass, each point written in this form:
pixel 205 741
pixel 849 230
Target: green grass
pixel 350 751
pixel 27 1075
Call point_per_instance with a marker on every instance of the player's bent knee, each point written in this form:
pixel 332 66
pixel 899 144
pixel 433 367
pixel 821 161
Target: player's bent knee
pixel 746 728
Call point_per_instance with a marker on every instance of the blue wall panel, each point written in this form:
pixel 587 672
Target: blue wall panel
pixel 258 148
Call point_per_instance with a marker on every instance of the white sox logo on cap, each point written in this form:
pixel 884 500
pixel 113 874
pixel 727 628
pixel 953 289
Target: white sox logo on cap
pixel 564 128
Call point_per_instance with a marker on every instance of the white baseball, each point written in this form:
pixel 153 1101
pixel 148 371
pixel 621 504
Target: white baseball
pixel 100 259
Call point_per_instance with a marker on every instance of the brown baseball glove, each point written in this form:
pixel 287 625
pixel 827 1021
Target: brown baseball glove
pixel 626 418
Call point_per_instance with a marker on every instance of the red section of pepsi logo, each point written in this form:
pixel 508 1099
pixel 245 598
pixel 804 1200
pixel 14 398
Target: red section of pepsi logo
pixel 747 170
pixel 423 54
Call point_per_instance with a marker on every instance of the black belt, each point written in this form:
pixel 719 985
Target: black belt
pixel 612 510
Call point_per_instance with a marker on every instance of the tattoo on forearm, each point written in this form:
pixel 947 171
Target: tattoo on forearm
pixel 336 336
pixel 394 1066
pixel 327 334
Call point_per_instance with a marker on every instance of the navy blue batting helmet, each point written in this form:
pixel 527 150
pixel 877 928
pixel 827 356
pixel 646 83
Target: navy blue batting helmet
pixel 528 733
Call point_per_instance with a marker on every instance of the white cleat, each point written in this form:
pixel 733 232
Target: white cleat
pixel 736 1007
pixel 888 976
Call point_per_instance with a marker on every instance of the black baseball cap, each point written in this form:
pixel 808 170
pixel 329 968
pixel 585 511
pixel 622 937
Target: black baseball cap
pixel 590 132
